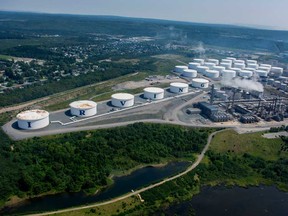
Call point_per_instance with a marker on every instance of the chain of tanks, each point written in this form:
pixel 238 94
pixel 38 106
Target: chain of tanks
pixel 225 103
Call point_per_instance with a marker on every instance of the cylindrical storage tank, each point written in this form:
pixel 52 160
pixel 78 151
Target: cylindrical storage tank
pixel 270 81
pixel 255 66
pixel 239 65
pixel 153 93
pixel 277 84
pixel 219 68
pixel 261 73
pixel 202 69
pixel 201 61
pixel 193 65
pixel 229 61
pixel 237 70
pixel 251 61
pixel 250 69
pixel 122 100
pixel 266 65
pixel 231 58
pixel 215 61
pixel 33 119
pixel 264 69
pixel 189 73
pixel 210 65
pixel 283 86
pixel 200 83
pixel 227 65
pixel 228 74
pixel 83 108
pixel 212 74
pixel 180 68
pixel 276 71
pixel 238 61
pixel 245 73
pixel 283 79
pixel 179 88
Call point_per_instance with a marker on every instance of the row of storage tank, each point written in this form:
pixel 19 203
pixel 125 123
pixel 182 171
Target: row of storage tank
pixel 36 119
pixel 227 68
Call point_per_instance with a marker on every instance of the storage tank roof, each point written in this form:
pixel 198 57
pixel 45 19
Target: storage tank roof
pixel 200 80
pixel 32 115
pixel 179 84
pixel 154 90
pixel 122 96
pixel 83 104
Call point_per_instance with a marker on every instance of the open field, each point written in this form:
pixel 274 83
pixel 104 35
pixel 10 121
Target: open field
pixel 253 143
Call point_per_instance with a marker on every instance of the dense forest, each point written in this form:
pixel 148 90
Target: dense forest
pixel 84 160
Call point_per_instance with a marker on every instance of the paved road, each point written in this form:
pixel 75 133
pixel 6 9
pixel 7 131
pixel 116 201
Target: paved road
pixel 190 168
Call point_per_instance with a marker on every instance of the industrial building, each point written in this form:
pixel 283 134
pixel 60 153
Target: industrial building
pixel 33 119
pixel 83 108
pixel 122 100
pixel 153 93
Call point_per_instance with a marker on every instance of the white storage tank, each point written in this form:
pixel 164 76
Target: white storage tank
pixel 232 59
pixel 83 108
pixel 179 88
pixel 255 66
pixel 248 61
pixel 238 61
pixel 276 71
pixel 261 73
pixel 239 65
pixel 215 61
pixel 277 84
pixel 237 70
pixel 228 74
pixel 250 69
pixel 201 61
pixel 245 73
pixel 219 68
pixel 153 93
pixel 33 119
pixel 122 100
pixel 180 68
pixel 264 68
pixel 229 61
pixel 202 69
pixel 200 83
pixel 266 65
pixel 283 86
pixel 227 65
pixel 212 74
pixel 189 73
pixel 270 81
pixel 210 65
pixel 193 65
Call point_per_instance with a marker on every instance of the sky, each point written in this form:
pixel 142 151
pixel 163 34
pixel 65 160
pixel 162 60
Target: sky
pixel 258 13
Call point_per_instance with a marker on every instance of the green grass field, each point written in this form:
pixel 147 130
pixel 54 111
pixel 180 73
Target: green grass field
pixel 254 144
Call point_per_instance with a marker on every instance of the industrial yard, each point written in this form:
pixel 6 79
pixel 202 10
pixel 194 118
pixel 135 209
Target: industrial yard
pixel 210 93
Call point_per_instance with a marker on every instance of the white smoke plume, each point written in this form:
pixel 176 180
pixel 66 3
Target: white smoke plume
pixel 244 84
pixel 199 49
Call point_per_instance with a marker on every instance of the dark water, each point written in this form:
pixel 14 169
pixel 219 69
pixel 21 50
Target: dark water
pixel 236 201
pixel 122 185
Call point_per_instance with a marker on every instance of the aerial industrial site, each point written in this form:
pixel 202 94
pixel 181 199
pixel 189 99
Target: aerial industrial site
pixel 228 92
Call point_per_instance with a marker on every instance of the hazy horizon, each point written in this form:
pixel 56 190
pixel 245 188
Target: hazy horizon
pixel 259 14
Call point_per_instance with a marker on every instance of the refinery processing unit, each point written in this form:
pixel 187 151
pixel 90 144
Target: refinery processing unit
pixel 209 92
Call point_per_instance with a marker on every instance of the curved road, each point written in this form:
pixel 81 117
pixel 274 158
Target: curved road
pixel 190 168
